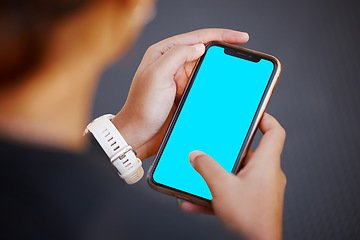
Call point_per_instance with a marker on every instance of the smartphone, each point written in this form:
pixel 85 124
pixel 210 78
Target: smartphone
pixel 218 114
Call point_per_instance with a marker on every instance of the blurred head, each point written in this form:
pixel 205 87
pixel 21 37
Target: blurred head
pixel 35 33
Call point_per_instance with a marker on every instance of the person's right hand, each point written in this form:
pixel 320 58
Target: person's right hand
pixel 251 202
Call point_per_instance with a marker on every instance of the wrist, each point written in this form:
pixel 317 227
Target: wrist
pixel 131 131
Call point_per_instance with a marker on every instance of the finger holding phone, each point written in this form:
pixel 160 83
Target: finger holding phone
pixel 219 113
pixel 154 96
pixel 232 85
pixel 250 202
pixel 159 83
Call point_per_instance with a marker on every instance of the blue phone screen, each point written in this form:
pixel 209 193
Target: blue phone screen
pixel 215 118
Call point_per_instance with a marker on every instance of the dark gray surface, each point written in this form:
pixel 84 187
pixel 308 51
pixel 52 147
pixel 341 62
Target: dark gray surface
pixel 317 101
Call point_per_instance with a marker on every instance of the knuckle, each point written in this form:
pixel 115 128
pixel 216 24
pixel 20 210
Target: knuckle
pixel 279 131
pixel 151 49
pixel 151 52
pixel 282 132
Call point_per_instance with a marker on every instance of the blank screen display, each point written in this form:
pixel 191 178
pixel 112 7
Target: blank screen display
pixel 215 118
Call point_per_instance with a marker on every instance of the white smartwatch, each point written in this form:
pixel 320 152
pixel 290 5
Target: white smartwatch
pixel 121 155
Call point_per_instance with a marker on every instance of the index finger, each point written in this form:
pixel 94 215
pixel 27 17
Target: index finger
pixel 272 142
pixel 199 36
pixel 203 36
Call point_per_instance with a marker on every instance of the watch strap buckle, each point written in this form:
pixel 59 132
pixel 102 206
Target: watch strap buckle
pixel 128 165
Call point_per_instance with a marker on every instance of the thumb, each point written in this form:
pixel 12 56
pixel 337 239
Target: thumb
pixel 166 66
pixel 213 174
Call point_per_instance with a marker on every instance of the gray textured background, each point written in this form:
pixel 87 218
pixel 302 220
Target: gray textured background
pixel 317 101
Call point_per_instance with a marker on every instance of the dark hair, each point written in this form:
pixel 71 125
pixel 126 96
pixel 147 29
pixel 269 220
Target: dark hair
pixel 24 29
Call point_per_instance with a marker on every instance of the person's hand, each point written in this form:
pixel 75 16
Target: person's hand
pixel 159 83
pixel 251 202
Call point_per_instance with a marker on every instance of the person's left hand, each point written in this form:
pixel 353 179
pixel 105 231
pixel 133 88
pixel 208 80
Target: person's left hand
pixel 159 83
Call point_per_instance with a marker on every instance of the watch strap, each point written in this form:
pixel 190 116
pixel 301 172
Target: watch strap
pixel 121 155
pixel 107 135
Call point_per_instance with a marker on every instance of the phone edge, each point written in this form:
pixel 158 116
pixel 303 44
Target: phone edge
pixel 239 163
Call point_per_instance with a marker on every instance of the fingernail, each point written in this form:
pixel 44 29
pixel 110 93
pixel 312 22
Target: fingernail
pixel 194 154
pixel 199 47
pixel 248 36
